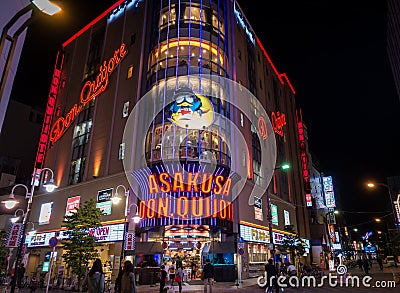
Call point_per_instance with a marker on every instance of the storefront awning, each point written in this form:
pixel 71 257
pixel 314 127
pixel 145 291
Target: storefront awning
pixel 146 248
pixel 221 247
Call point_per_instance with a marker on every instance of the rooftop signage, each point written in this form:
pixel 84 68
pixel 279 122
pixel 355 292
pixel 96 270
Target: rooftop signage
pixel 90 90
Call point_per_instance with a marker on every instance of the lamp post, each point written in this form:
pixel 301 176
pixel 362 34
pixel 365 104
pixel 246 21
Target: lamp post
pixel 136 219
pixel 373 185
pixel 42 5
pixel 283 166
pixel 11 202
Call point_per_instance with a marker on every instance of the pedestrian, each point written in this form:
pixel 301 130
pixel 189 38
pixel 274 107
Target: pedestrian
pixel 95 278
pixel 194 270
pixel 179 278
pixel 208 275
pixel 117 286
pixel 380 262
pixel 33 284
pixel 21 274
pixel 171 272
pixel 128 279
pixel 360 264
pixel 271 273
pixel 365 265
pixel 163 278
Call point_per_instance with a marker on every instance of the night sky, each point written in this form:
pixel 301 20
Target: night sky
pixel 334 53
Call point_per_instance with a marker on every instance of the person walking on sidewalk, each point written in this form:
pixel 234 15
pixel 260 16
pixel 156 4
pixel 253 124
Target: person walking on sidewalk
pixel 208 275
pixel 365 265
pixel 163 278
pixel 380 262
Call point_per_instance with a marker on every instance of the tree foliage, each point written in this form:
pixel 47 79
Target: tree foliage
pixel 80 246
pixel 293 243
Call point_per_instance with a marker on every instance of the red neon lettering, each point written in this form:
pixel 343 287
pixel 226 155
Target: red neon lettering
pixel 278 121
pixel 153 186
pixel 89 91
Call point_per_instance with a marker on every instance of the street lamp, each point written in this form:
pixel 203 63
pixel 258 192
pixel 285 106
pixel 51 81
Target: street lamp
pixel 42 5
pixel 136 219
pixel 373 185
pixel 283 166
pixel 16 217
pixel 11 202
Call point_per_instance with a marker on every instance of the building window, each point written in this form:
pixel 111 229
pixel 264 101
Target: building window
pixel 195 15
pixel 260 84
pixel 94 58
pixel 121 151
pixel 130 72
pixel 218 24
pixel 239 55
pixel 133 39
pixel 125 109
pixel 188 52
pixel 256 152
pixel 167 17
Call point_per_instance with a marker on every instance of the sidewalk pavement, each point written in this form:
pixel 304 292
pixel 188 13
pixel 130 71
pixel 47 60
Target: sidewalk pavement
pixel 218 287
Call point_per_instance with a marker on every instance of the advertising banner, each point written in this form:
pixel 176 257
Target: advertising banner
pixel 72 204
pixel 14 235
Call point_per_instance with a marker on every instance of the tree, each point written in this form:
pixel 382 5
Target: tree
pixel 292 243
pixel 80 246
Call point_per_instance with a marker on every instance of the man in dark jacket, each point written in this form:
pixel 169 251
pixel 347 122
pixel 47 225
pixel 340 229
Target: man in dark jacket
pixel 271 271
pixel 208 273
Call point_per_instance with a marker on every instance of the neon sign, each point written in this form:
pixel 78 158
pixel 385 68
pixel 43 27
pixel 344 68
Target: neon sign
pixel 90 90
pixel 51 101
pixel 167 183
pixel 185 208
pixel 262 128
pixel 240 19
pixel 278 120
pixel 304 159
pixel 328 191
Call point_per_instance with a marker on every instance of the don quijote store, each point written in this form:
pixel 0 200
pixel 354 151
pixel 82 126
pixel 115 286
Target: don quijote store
pixel 178 104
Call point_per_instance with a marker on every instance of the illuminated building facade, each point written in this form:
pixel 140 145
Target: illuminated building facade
pixel 102 73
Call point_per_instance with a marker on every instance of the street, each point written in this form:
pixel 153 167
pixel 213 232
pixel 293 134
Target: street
pixel 379 279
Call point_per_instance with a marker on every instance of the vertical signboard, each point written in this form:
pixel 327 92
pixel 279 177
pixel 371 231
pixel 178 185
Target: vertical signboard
pixel 304 159
pixel 286 215
pixel 258 215
pixel 14 235
pixel 46 210
pixel 328 191
pixel 130 241
pixel 48 115
pixel 274 214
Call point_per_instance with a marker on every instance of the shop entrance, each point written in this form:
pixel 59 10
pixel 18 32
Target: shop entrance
pixel 185 246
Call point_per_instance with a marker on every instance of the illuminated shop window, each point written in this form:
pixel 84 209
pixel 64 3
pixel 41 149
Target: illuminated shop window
pixel 166 19
pixel 188 52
